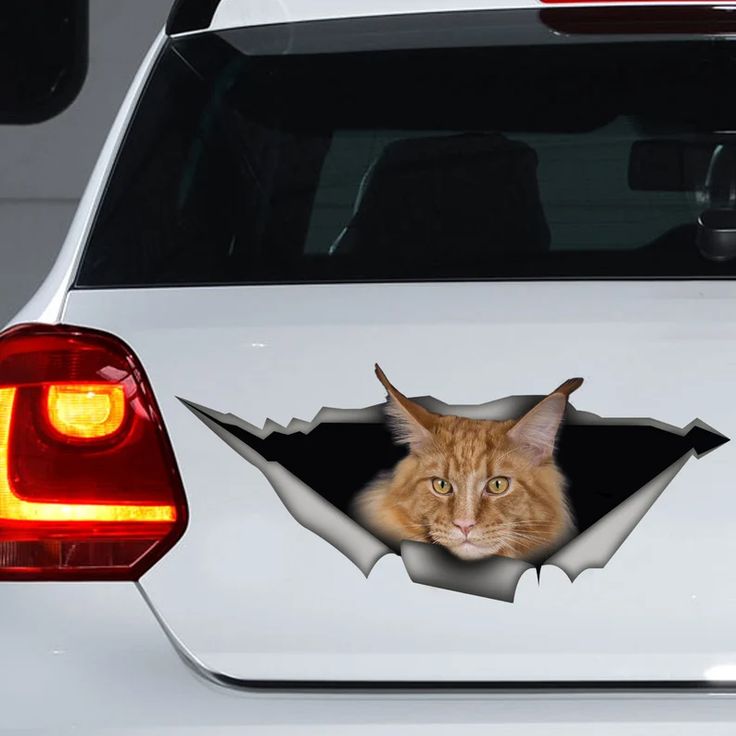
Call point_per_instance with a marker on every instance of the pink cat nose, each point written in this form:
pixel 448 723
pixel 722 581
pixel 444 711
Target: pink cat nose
pixel 464 525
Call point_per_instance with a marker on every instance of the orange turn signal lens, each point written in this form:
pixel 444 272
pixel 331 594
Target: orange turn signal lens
pixel 13 508
pixel 86 411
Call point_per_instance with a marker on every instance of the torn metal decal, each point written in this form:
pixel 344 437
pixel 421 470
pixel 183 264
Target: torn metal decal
pixel 470 496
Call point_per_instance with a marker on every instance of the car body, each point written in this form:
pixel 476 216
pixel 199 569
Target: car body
pixel 263 609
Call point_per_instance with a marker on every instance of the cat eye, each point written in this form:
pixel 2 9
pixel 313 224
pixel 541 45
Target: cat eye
pixel 498 485
pixel 441 486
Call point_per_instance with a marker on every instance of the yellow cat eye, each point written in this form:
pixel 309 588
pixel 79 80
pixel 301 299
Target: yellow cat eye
pixel 498 485
pixel 441 486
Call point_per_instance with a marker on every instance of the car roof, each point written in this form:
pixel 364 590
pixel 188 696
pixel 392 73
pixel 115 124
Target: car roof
pixel 231 13
pixel 215 15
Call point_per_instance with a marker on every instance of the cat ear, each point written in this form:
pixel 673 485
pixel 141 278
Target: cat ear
pixel 537 429
pixel 410 423
pixel 572 384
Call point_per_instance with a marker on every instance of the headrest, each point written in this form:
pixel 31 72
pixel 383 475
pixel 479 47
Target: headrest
pixel 719 188
pixel 449 199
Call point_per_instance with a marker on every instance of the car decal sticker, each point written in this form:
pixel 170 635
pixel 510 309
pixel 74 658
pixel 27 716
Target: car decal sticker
pixel 357 445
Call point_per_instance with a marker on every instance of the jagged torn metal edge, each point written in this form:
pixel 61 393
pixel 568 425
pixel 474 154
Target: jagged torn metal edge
pixel 495 577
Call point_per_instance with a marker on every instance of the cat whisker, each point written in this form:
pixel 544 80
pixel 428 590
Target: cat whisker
pixel 531 527
pixel 522 533
pixel 524 521
pixel 513 540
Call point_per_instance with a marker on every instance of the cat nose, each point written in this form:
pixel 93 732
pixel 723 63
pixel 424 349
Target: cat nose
pixel 464 525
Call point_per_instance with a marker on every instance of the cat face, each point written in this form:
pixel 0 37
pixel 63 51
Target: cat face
pixel 477 487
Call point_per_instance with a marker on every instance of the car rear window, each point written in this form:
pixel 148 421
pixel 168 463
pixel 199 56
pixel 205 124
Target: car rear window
pixel 449 146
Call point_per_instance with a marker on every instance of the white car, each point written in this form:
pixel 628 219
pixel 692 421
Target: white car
pixel 486 199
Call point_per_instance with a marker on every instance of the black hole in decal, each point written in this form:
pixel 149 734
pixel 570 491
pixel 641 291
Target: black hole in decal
pixel 604 464
pixel 703 440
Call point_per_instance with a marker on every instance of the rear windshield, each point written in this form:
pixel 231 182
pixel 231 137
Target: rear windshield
pixel 449 146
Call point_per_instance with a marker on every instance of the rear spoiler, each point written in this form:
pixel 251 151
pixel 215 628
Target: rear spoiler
pixel 191 15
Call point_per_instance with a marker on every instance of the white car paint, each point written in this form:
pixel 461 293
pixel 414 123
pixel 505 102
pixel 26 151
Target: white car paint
pixel 88 658
pixel 254 602
pixel 234 13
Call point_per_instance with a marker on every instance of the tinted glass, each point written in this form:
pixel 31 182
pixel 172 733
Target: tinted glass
pixel 266 156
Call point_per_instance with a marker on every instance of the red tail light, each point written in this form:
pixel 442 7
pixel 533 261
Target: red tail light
pixel 638 2
pixel 89 487
pixel 623 17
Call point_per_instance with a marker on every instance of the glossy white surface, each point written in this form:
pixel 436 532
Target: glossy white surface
pixel 88 658
pixel 234 13
pixel 254 595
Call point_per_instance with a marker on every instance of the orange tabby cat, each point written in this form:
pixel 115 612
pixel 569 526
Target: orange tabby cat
pixel 477 487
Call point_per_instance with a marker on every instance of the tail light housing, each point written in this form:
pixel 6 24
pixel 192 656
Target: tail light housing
pixel 89 487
